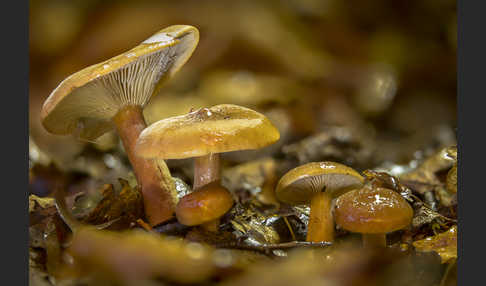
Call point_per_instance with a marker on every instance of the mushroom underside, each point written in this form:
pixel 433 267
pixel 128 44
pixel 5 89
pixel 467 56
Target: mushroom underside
pixel 302 190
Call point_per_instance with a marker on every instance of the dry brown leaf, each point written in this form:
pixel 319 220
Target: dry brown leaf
pixel 127 206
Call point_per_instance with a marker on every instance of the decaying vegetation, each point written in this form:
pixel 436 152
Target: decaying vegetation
pixel 299 143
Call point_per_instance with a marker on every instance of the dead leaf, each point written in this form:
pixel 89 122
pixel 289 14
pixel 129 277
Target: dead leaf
pixel 127 206
pixel 445 244
pixel 133 255
pixel 426 172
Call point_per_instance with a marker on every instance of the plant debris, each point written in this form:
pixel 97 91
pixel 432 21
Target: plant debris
pixel 126 206
pixel 445 244
pixel 354 84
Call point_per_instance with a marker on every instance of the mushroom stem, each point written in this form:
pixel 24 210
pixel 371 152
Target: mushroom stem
pixel 154 179
pixel 211 226
pixel 374 240
pixel 321 224
pixel 206 170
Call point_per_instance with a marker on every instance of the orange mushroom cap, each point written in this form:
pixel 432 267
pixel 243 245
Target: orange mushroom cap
pixel 377 210
pixel 204 205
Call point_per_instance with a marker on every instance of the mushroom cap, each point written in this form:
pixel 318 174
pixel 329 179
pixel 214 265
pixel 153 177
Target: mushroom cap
pixel 204 205
pixel 377 210
pixel 85 102
pixel 300 184
pixel 221 128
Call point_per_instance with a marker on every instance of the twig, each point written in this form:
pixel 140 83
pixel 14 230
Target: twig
pixel 144 225
pixel 290 228
pixel 267 248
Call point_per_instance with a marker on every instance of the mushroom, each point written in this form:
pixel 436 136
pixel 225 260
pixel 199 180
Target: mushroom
pixel 112 94
pixel 318 183
pixel 373 212
pixel 204 134
pixel 205 206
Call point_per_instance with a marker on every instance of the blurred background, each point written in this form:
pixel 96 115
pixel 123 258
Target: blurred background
pixel 382 72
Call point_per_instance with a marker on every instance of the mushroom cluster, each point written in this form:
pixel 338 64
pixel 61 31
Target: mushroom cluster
pixel 318 183
pixel 303 142
pixel 336 194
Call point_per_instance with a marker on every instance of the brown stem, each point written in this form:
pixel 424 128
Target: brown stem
pixel 321 223
pixel 153 176
pixel 374 240
pixel 206 170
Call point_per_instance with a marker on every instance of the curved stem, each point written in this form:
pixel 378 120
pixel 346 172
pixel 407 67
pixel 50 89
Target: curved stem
pixel 206 170
pixel 153 176
pixel 321 223
pixel 374 240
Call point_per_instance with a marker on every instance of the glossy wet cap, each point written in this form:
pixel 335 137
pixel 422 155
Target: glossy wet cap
pixel 376 210
pixel 221 128
pixel 85 102
pixel 204 205
pixel 300 184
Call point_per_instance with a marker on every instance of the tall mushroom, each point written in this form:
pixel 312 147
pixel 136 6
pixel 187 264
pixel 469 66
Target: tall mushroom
pixel 373 212
pixel 204 134
pixel 112 94
pixel 318 183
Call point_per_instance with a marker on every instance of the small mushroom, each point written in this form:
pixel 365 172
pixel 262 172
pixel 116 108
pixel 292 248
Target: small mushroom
pixel 373 212
pixel 204 134
pixel 207 204
pixel 112 94
pixel 318 183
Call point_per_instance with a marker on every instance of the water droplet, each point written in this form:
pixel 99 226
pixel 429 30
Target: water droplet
pixel 159 38
pixel 326 166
